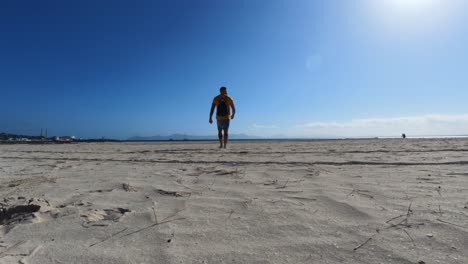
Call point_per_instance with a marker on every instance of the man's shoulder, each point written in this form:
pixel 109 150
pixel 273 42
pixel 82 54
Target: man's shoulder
pixel 218 97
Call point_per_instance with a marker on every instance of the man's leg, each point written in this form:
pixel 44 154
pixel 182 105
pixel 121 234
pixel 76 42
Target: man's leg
pixel 225 137
pixel 220 137
pixel 220 134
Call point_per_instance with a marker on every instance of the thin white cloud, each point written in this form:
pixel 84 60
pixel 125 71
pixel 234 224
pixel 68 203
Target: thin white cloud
pixel 434 124
pixel 261 127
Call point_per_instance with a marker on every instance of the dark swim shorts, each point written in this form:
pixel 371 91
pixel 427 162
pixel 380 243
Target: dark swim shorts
pixel 223 124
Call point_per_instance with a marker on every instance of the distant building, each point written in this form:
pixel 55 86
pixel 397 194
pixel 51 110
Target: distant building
pixel 64 139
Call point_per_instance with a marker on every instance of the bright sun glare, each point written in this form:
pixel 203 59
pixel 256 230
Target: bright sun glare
pixel 411 6
pixel 416 15
pixel 411 3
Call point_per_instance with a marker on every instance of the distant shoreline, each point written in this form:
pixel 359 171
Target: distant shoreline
pixel 33 142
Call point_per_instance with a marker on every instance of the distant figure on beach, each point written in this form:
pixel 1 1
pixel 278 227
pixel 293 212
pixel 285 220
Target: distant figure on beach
pixel 403 135
pixel 223 104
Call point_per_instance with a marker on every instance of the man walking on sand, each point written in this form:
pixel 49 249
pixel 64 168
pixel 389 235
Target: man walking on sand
pixel 223 104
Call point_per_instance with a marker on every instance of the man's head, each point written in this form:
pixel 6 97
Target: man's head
pixel 223 90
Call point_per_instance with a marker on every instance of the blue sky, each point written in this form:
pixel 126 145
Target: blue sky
pixel 294 68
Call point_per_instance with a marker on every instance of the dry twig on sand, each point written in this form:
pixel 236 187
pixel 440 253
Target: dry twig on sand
pixel 408 213
pixel 440 220
pixel 412 240
pixel 160 223
pixel 154 212
pixel 113 235
pixel 164 221
pixel 365 242
pixel 401 225
pixel 393 218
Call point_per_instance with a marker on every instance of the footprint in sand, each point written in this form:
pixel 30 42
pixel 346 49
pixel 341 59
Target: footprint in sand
pixel 14 211
pixel 97 215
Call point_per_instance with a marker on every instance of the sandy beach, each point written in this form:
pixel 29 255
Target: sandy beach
pixel 338 201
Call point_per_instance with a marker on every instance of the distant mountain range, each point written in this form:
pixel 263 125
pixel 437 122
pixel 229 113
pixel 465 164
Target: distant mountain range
pixel 191 137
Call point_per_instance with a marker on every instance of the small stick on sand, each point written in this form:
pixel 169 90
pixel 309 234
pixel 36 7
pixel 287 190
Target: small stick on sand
pixel 155 217
pixel 408 213
pixel 412 240
pixel 440 220
pixel 391 219
pixel 358 247
pixel 172 215
pixel 165 220
pixel 160 223
pixel 113 235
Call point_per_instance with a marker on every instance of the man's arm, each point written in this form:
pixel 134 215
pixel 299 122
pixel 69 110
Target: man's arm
pixel 233 111
pixel 211 113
